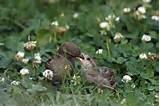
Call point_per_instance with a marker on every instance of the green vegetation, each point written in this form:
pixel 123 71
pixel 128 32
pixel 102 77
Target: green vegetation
pixel 120 34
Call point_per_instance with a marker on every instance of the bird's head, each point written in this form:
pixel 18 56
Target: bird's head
pixel 70 50
pixel 87 62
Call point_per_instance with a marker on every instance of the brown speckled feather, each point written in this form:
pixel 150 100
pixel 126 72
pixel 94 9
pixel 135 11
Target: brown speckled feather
pixel 101 76
pixel 59 65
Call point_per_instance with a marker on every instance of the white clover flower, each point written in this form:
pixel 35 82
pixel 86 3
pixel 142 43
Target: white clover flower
pixel 55 23
pixel 146 38
pixel 24 71
pixel 146 1
pixel 19 55
pixel 143 56
pixel 48 74
pixel 99 51
pixel 156 18
pixel 25 60
pixel 141 9
pixel 30 45
pixel 118 36
pixel 110 17
pixel 126 78
pixel 117 19
pixel 126 10
pixel 104 25
pixel 75 15
pixel 139 15
pixel 37 58
pixel 15 83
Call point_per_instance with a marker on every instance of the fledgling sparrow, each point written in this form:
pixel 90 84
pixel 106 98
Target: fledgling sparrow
pixel 103 77
pixel 63 62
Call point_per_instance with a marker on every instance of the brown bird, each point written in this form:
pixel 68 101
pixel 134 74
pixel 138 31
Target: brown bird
pixel 103 77
pixel 63 62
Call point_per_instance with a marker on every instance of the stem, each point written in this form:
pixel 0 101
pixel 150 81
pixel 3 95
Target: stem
pixel 108 49
pixel 108 87
pixel 55 37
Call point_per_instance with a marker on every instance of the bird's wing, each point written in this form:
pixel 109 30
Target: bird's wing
pixel 59 65
pixel 108 76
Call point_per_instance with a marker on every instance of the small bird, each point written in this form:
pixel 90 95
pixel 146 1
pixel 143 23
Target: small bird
pixel 103 77
pixel 63 62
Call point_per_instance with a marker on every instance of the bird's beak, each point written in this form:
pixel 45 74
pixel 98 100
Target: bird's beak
pixel 81 56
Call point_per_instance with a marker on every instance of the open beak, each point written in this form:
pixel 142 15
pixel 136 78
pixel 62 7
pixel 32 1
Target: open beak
pixel 81 56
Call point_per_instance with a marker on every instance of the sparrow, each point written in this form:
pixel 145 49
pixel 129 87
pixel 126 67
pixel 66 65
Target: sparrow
pixel 103 76
pixel 63 62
